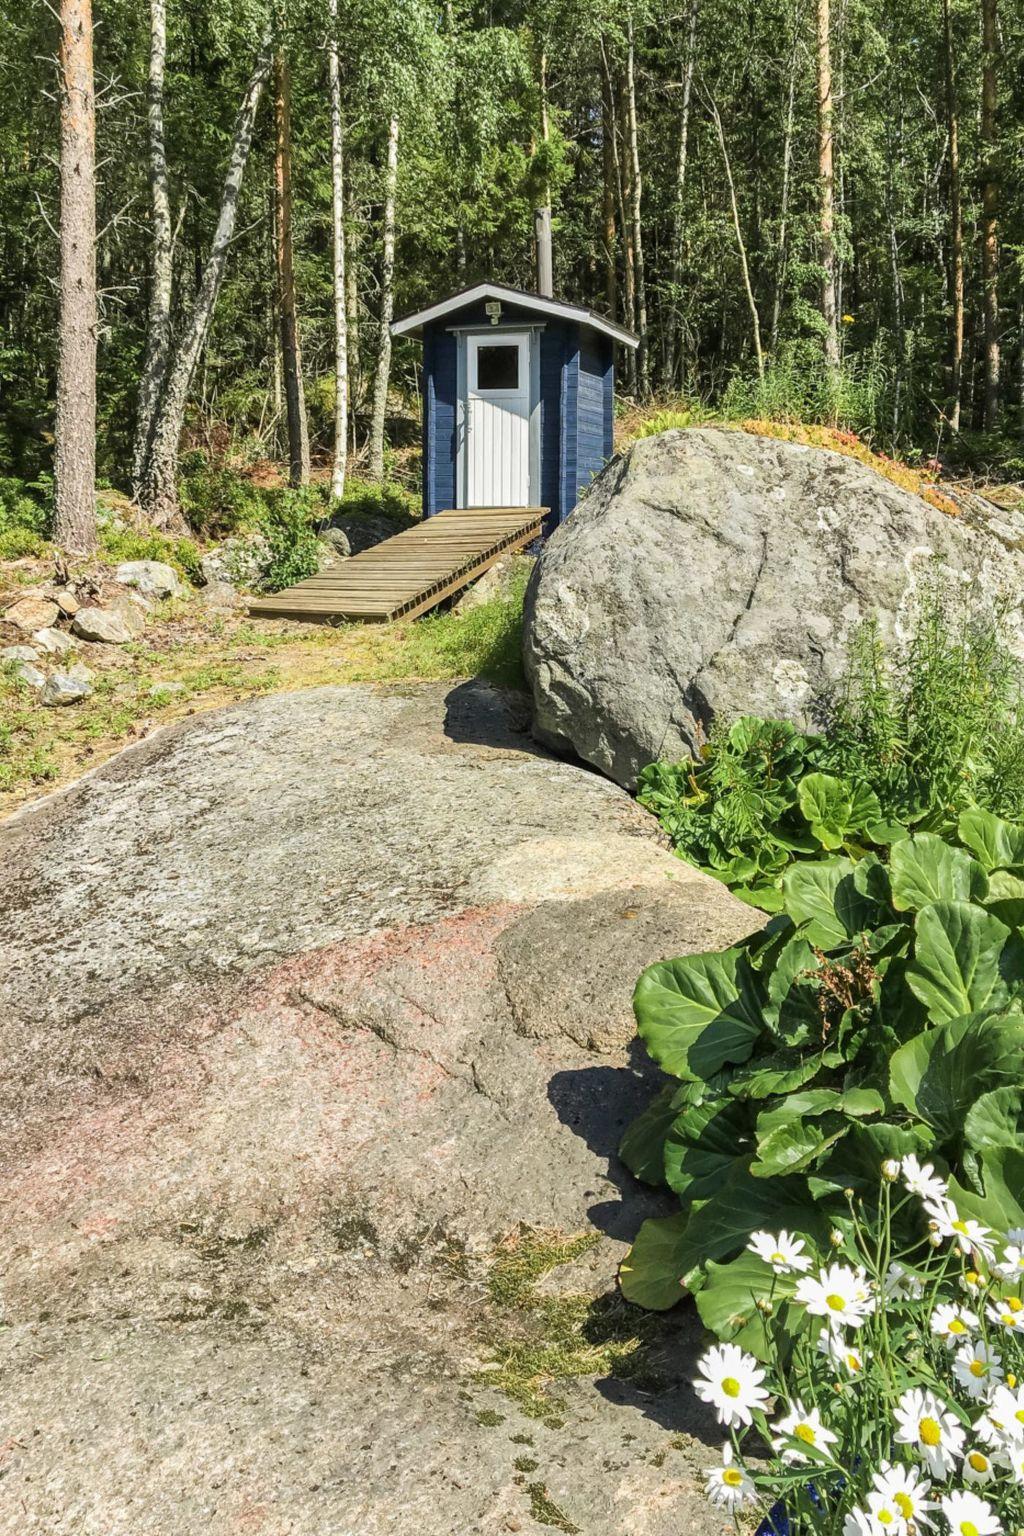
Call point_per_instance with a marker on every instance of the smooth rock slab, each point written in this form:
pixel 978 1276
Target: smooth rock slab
pixel 31 613
pixel 111 626
pixel 153 578
pixel 302 1040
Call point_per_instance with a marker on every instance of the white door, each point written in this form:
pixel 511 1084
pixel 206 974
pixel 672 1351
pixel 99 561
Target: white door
pixel 497 420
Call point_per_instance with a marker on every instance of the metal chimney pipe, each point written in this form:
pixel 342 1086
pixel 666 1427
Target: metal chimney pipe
pixel 542 238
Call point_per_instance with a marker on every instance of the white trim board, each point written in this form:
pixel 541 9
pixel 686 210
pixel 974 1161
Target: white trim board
pixel 556 308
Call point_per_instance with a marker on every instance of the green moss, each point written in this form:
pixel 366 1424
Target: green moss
pixel 522 1261
pixel 488 1419
pixel 546 1512
pixel 526 1464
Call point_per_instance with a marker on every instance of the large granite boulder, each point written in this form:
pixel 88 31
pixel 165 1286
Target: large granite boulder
pixel 308 1057
pixel 711 573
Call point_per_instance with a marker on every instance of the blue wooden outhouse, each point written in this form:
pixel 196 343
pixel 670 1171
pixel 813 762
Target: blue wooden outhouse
pixel 518 393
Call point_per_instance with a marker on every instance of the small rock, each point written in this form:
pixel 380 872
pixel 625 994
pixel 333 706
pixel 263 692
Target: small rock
pixel 238 561
pixel 350 532
pixel 80 672
pixel 67 602
pixel 18 653
pixel 25 672
pixel 219 596
pixel 110 625
pixel 161 688
pixel 151 577
pixel 63 688
pixel 490 585
pixel 54 641
pixel 32 613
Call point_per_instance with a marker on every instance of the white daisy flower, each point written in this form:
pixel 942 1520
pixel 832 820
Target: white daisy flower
pixel 844 1354
pixel 901 1284
pixel 886 1516
pixel 784 1253
pixel 1006 1410
pixel 728 1485
pixel 838 1293
pixel 970 1236
pixel 798 1428
pixel 861 1522
pixel 730 1381
pixel 953 1324
pixel 1015 1460
pixel 1008 1312
pixel 972 1282
pixel 1016 1235
pixel 969 1516
pixel 907 1490
pixel 923 1181
pixel 978 1466
pixel 977 1367
pixel 1011 1266
pixel 925 1424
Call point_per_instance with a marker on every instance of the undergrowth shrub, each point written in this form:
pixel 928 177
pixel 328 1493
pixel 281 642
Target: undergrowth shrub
pixel 119 543
pixel 287 520
pixel 26 516
pixel 370 498
pixel 216 500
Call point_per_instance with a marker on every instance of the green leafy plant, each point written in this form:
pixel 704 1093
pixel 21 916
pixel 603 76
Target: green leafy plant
pixel 25 518
pixel 881 1014
pixel 290 534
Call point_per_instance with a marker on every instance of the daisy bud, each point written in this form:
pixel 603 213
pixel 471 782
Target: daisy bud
pixel 890 1170
pixel 764 1306
pixel 835 1237
pixel 848 1193
pixel 935 1239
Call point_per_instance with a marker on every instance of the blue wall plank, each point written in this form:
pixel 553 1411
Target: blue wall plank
pixel 440 406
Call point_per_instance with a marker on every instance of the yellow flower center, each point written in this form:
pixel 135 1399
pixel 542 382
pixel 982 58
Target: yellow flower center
pixel 805 1433
pixel 852 1363
pixel 778 1258
pixel 885 1517
pixel 1019 1415
pixel 732 1478
pixel 968 1528
pixel 978 1462
pixel 977 1367
pixel 930 1432
pixel 730 1386
pixel 1008 1319
pixel 837 1303
pixel 961 1227
pixel 1011 1380
pixel 904 1504
pixel 972 1277
pixel 956 1326
pixel 1014 1303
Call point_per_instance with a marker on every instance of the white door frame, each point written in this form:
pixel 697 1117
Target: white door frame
pixel 503 332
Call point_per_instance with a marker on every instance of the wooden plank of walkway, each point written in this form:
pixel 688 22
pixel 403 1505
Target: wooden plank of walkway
pixel 409 573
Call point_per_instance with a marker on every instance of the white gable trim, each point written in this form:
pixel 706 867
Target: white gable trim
pixel 556 308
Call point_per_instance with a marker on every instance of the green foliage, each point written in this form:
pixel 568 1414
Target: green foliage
pixel 25 518
pixel 287 519
pixel 881 1013
pixel 797 386
pixel 215 499
pixel 119 543
pixel 912 741
pixel 369 498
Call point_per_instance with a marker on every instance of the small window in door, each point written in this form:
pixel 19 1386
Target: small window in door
pixel 497 367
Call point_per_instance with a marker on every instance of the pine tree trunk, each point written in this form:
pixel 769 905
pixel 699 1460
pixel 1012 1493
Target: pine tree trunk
pixel 673 351
pixel 826 188
pixel 755 324
pixel 158 326
pixel 75 456
pixel 636 188
pixel 387 302
pixel 159 489
pixel 990 209
pixel 291 348
pixel 956 226
pixel 608 178
pixel 338 233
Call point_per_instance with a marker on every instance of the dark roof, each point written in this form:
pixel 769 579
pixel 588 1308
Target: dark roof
pixel 411 324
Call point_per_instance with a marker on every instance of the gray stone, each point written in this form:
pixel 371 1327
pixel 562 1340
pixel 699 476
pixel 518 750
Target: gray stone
pixel 219 597
pixel 26 672
pixel 112 626
pixel 19 653
pixel 239 561
pixel 165 688
pixel 495 582
pixel 151 577
pixel 80 672
pixel 31 612
pixel 56 642
pixel 67 602
pixel 293 1076
pixel 350 533
pixel 710 573
pixel 67 688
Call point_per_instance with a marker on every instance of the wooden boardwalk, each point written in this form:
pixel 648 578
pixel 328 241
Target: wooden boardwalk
pixel 409 573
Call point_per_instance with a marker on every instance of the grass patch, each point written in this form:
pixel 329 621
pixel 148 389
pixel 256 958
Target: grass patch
pixel 546 1512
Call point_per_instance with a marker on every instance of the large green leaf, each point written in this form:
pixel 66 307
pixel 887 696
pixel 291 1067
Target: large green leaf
pixel 924 869
pixel 696 1014
pixel 652 1272
pixel 825 903
pixel 996 1119
pixel 793 1008
pixel 643 1146
pixel 826 804
pixel 727 1303
pixel 998 844
pixel 702 1145
pixel 792 1147
pixel 856 1161
pixel 776 1072
pixel 940 1073
pixel 1001 1206
pixel 965 959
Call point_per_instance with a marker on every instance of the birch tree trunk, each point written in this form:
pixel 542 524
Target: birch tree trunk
pixel 672 349
pixel 75 458
pixel 158 327
pixel 159 490
pixel 291 348
pixel 642 369
pixel 608 179
pixel 990 209
pixel 355 373
pixel 755 323
pixel 826 188
pixel 782 257
pixel 956 226
pixel 387 304
pixel 338 233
